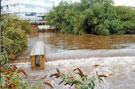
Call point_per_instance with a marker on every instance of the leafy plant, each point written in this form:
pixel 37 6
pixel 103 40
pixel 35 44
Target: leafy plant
pixel 14 35
pixel 11 79
pixel 82 82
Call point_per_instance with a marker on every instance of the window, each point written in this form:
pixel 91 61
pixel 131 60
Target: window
pixel 29 6
pixel 1 7
pixel 30 14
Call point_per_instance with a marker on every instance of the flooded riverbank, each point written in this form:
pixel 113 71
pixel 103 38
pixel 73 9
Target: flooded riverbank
pixel 82 46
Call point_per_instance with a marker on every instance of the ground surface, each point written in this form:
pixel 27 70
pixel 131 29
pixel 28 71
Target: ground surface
pixel 120 71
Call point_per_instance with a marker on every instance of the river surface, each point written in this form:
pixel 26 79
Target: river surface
pixel 66 52
pixel 63 46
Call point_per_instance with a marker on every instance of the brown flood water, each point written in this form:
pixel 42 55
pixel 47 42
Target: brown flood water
pixel 70 44
pixel 66 46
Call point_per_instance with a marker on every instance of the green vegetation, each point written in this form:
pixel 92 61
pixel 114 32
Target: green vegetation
pixel 14 39
pixel 92 17
pixel 11 77
pixel 14 35
pixel 83 81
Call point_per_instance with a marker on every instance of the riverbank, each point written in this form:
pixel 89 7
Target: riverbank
pixel 120 71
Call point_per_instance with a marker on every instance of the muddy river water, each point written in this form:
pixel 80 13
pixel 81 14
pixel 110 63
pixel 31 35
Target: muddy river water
pixel 114 55
pixel 68 46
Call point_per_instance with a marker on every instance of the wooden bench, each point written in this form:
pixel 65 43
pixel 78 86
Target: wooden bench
pixel 37 57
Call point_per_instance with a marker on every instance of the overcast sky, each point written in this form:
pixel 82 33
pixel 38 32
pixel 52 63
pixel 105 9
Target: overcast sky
pixel 125 2
pixel 117 2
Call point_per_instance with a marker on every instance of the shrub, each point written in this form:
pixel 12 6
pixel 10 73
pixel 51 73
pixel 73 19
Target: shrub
pixel 88 16
pixel 14 35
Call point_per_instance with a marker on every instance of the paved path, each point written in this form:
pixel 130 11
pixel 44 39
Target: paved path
pixel 120 71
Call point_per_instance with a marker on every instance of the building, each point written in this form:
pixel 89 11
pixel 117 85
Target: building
pixel 26 9
pixel 133 8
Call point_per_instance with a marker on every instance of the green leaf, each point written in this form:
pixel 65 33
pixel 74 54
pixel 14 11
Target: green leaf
pixel 3 80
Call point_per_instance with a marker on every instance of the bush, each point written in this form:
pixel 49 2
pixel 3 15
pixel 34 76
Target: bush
pixel 14 35
pixel 88 16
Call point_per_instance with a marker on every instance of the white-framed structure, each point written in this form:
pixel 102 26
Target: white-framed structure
pixel 26 9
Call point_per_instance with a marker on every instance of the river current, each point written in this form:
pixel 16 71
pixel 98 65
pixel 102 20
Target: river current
pixel 65 46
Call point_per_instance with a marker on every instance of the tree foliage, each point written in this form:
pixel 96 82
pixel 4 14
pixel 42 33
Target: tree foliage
pixel 14 35
pixel 92 16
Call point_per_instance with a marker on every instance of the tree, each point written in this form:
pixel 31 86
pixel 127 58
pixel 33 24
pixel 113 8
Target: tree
pixel 127 16
pixel 92 16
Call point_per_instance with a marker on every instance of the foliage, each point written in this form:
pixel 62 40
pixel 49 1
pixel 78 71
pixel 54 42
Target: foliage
pixel 13 40
pixel 14 35
pixel 4 58
pixel 127 16
pixel 11 78
pixel 82 82
pixel 92 16
pixel 26 27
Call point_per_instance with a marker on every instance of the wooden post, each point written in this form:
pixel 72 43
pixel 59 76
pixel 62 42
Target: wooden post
pixel 37 57
pixel 42 61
